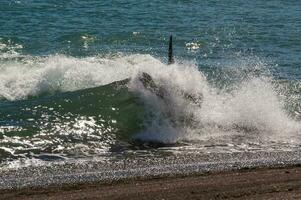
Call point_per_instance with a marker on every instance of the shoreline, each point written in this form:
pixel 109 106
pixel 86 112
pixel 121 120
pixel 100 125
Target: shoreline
pixel 254 183
pixel 140 168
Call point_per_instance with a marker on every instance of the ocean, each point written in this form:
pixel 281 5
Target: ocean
pixel 61 63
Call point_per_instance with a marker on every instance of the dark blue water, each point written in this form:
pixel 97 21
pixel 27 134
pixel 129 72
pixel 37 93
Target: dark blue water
pixel 57 57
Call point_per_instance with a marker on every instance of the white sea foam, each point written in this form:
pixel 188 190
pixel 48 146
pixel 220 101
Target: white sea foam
pixel 18 80
pixel 9 49
pixel 253 108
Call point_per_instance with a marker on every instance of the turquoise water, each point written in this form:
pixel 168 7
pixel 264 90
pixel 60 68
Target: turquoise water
pixel 268 29
pixel 59 61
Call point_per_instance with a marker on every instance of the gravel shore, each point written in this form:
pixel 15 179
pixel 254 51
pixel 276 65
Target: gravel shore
pixel 268 183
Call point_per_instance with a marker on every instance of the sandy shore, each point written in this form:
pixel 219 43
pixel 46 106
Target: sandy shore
pixel 283 183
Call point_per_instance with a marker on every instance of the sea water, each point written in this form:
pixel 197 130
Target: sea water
pixel 59 60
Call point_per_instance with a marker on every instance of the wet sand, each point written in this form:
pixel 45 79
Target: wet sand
pixel 281 183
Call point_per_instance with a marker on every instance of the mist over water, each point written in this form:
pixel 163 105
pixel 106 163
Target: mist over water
pixel 59 63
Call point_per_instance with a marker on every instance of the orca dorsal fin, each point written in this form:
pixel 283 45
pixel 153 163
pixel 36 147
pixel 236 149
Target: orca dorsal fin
pixel 170 53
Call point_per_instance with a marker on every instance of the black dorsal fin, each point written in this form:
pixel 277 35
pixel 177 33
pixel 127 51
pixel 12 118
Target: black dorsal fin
pixel 170 53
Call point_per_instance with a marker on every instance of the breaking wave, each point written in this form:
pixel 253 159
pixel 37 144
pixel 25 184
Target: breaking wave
pixel 67 105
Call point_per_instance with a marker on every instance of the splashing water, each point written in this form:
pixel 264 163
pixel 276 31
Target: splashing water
pixel 253 108
pixel 68 107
